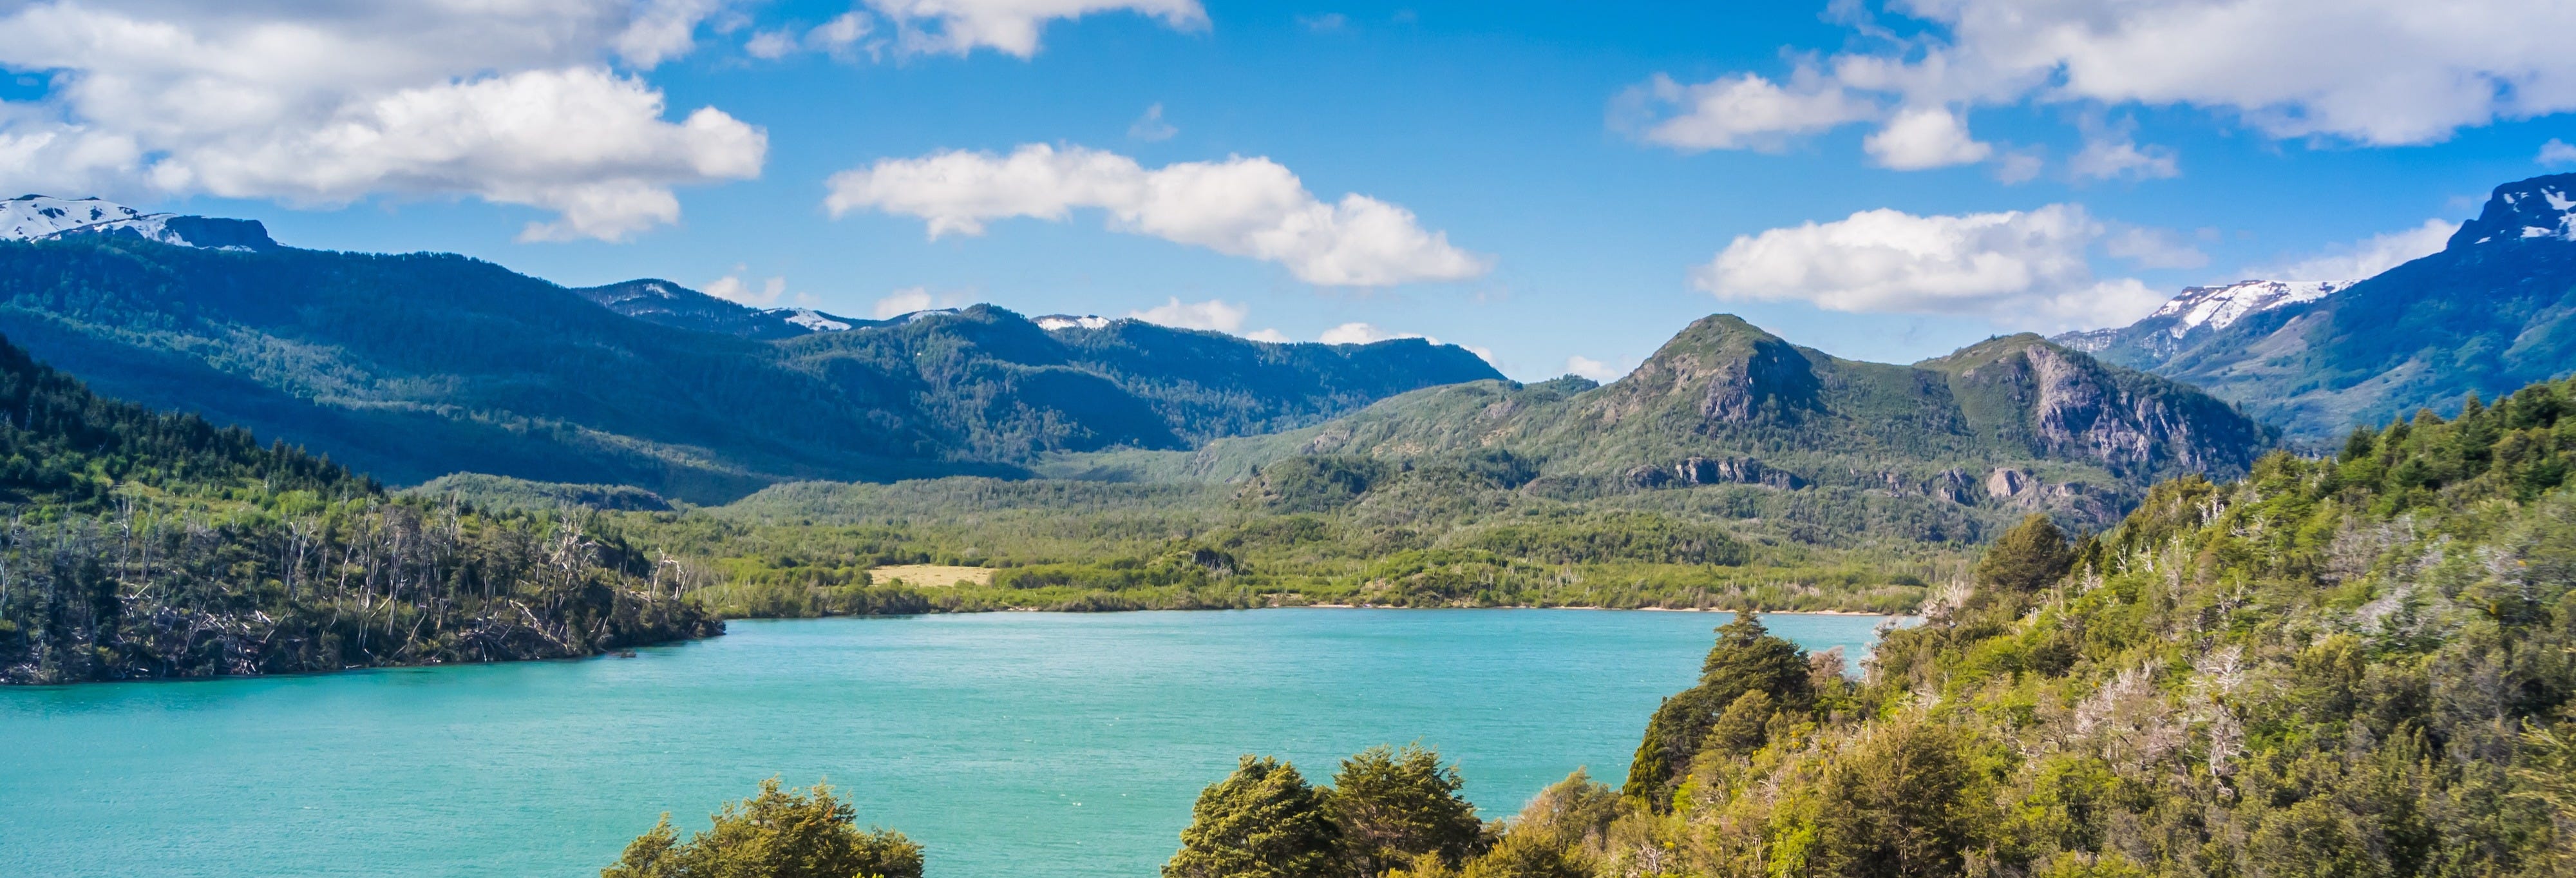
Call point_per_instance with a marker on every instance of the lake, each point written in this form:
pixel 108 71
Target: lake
pixel 1009 744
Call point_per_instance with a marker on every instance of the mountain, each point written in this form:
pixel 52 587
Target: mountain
pixel 415 366
pixel 2196 314
pixel 38 217
pixel 665 303
pixel 2010 423
pixel 2493 311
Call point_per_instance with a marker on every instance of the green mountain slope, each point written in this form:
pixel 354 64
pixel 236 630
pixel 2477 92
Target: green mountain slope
pixel 419 365
pixel 145 544
pixel 2491 312
pixel 2010 424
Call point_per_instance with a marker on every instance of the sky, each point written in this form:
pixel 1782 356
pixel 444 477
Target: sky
pixel 1560 187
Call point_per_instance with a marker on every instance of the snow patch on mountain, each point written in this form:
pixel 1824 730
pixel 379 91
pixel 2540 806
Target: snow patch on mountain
pixel 2538 208
pixel 811 319
pixel 2221 306
pixel 43 217
pixel 1053 322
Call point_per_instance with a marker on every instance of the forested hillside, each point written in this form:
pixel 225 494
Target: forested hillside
pixel 1947 448
pixel 2358 665
pixel 140 544
pixel 416 366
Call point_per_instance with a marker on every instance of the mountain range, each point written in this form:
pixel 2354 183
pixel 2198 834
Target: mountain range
pixel 414 366
pixel 2015 423
pixel 2493 311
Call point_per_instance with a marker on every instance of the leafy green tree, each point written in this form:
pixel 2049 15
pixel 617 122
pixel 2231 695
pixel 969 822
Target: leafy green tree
pixel 1394 806
pixel 2027 560
pixel 776 834
pixel 1747 658
pixel 1262 821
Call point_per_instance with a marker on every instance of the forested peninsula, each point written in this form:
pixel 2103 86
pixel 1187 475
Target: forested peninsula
pixel 147 545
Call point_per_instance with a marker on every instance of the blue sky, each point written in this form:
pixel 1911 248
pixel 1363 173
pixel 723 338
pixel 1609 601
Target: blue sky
pixel 1583 211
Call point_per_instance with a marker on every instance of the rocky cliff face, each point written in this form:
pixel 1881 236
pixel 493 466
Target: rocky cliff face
pixel 2065 405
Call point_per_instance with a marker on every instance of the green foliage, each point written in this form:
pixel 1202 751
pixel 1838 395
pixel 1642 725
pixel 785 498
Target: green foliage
pixel 1394 807
pixel 1263 821
pixel 1748 661
pixel 775 834
pixel 2030 557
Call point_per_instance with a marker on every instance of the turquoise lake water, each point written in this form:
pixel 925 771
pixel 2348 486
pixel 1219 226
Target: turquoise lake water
pixel 1009 744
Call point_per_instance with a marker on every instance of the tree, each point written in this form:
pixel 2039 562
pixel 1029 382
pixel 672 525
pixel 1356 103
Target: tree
pixel 2027 560
pixel 1395 806
pixel 1262 821
pixel 776 834
pixel 1747 658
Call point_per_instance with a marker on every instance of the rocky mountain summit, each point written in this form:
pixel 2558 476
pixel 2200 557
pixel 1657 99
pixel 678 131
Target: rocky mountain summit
pixel 2493 311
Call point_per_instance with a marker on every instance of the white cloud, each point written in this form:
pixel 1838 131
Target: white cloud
pixel 2374 72
pixel 2556 152
pixel 956 27
pixel 2152 248
pixel 2028 269
pixel 1925 137
pixel 1213 314
pixel 1269 335
pixel 2014 168
pixel 1743 111
pixel 2369 256
pixel 1240 207
pixel 1151 127
pixel 838 38
pixel 1594 369
pixel 733 289
pixel 325 104
pixel 2107 158
pixel 1363 333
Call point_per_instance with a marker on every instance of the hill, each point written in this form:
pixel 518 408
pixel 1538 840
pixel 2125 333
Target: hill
pixel 415 366
pixel 2488 314
pixel 147 544
pixel 2014 423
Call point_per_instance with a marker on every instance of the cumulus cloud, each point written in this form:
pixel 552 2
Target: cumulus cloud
pixel 2556 152
pixel 956 27
pixel 2152 248
pixel 1743 111
pixel 325 104
pixel 2369 256
pixel 1251 207
pixel 2116 158
pixel 1363 333
pixel 2028 269
pixel 1214 314
pixel 1593 369
pixel 733 288
pixel 1269 335
pixel 2374 72
pixel 840 38
pixel 1151 127
pixel 1925 137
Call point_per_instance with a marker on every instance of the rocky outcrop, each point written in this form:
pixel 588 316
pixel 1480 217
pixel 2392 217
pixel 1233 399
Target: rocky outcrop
pixel 1695 471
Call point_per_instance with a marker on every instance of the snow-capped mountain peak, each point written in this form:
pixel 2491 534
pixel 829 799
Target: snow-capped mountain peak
pixel 43 217
pixel 2221 306
pixel 2538 208
pixel 1053 322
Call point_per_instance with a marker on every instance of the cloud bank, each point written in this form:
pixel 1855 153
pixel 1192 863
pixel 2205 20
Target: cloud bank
pixel 1250 207
pixel 2028 269
pixel 532 103
pixel 2370 72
